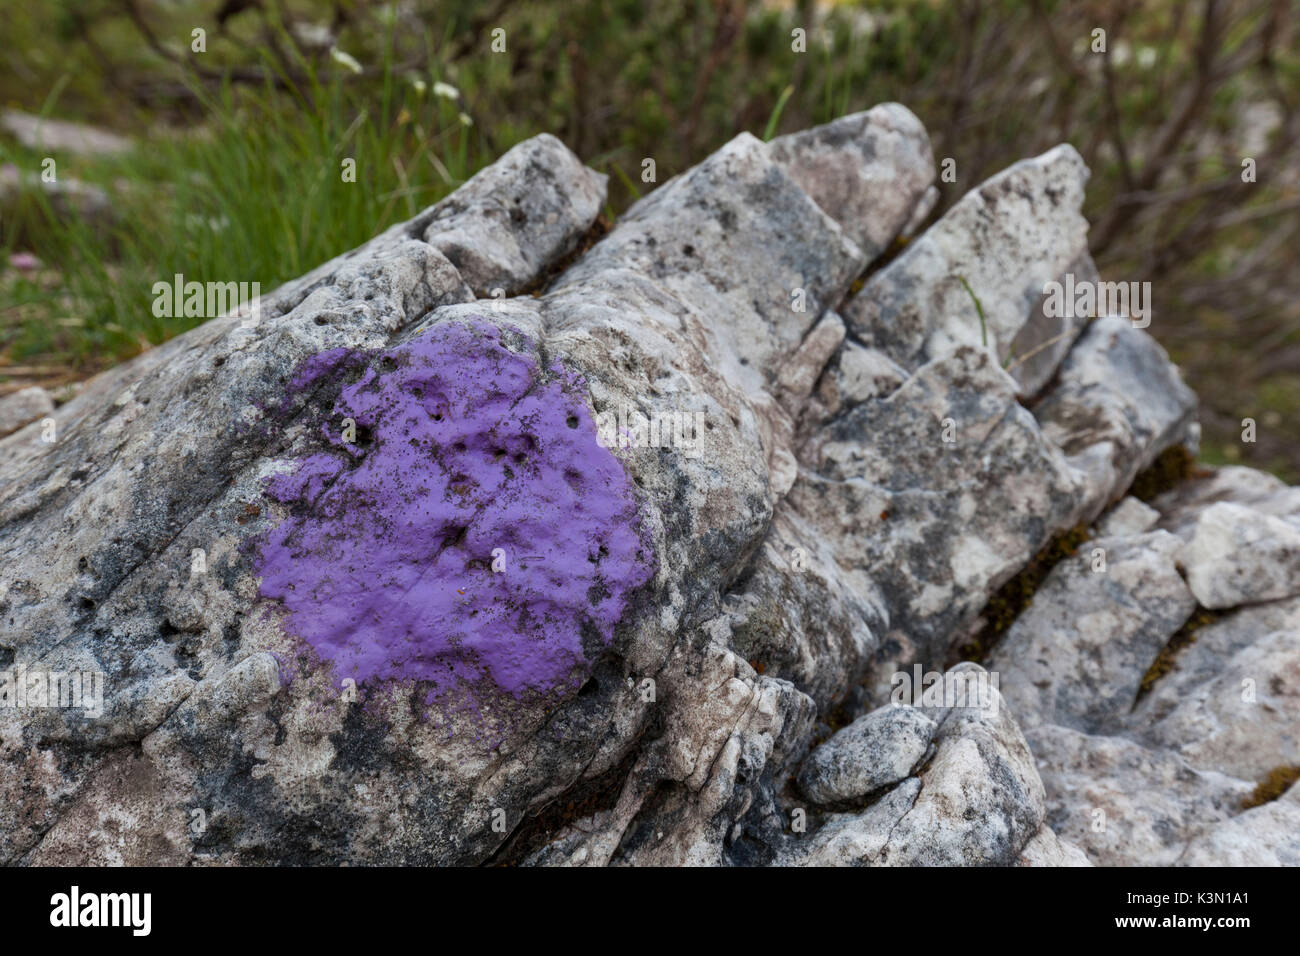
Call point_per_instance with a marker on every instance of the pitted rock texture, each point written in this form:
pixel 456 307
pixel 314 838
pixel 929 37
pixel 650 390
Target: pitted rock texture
pixel 240 525
pixel 503 227
pixel 1117 404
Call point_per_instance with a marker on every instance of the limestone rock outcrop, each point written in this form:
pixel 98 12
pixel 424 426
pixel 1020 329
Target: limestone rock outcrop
pixel 467 547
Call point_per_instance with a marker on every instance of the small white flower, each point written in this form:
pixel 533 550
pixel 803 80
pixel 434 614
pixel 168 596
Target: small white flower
pixel 465 120
pixel 344 60
pixel 418 85
pixel 313 35
pixel 446 91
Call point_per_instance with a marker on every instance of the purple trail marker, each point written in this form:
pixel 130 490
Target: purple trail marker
pixel 468 455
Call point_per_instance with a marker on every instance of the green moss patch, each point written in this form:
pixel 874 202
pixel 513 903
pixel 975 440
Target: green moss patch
pixel 1013 597
pixel 1278 782
pixel 1184 637
pixel 1174 466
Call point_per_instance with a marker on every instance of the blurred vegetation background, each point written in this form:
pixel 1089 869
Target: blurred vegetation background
pixel 230 165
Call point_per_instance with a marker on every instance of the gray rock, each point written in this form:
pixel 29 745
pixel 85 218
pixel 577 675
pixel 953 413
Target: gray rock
pixel 1130 516
pixel 23 406
pixel 1117 404
pixel 1238 555
pixel 862 476
pixel 1180 507
pixel 799 375
pixel 981 800
pixel 737 243
pixel 1231 703
pixel 876 750
pixel 61 136
pixel 1124 804
pixel 1006 239
pixel 801 614
pixel 977 801
pixel 527 209
pixel 152 461
pixel 937 492
pixel 1076 656
pixel 858 375
pixel 1167 787
pixel 856 839
pixel 1047 849
pixel 1268 835
pixel 924 206
pixel 1045 339
pixel 871 172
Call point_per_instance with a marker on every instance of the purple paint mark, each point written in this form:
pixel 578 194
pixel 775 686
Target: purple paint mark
pixel 385 561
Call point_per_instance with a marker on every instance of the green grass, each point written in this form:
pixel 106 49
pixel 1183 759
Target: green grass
pixel 254 193
pixel 770 130
pixel 620 82
pixel 979 309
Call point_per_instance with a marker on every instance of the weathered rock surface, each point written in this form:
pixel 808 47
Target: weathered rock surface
pixel 1117 404
pixel 503 227
pixel 1232 701
pixel 876 750
pixel 1124 804
pixel 978 274
pixel 23 406
pixel 977 800
pixel 460 552
pixel 1077 654
pixel 1262 836
pixel 871 172
pixel 937 492
pixel 1156 765
pixel 1238 555
pixel 1128 517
